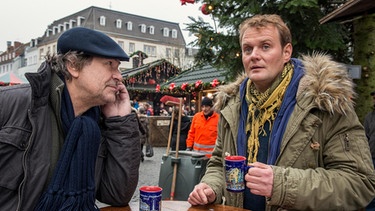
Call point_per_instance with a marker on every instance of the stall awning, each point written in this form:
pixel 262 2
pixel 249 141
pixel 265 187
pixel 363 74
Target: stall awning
pixel 350 10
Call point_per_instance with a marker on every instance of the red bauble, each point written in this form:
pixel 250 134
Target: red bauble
pixel 183 2
pixel 204 9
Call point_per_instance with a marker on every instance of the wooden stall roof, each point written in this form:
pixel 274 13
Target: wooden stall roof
pixel 143 68
pixel 147 76
pixel 350 10
pixel 206 74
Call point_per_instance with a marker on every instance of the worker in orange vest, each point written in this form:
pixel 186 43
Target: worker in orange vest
pixel 203 130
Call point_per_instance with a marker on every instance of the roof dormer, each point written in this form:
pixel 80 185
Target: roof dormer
pixel 80 20
pixel 143 28
pixel 129 25
pixel 118 23
pixel 102 20
pixel 151 29
pixel 174 33
pixel 166 32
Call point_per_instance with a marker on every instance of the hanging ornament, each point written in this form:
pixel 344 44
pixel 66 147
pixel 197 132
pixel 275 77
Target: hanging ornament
pixel 183 2
pixel 172 86
pixel 183 86
pixel 214 83
pixel 206 9
pixel 198 83
pixel 157 89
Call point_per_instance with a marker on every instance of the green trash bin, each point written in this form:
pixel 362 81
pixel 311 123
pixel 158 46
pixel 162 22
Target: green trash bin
pixel 191 167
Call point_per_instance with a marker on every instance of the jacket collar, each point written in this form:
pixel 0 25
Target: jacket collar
pixel 326 82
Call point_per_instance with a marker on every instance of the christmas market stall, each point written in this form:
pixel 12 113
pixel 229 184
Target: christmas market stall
pixel 194 84
pixel 191 85
pixel 142 81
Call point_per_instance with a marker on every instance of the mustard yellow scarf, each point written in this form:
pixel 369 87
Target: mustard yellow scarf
pixel 263 107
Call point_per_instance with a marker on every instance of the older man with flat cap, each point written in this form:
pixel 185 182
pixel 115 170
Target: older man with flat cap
pixel 69 136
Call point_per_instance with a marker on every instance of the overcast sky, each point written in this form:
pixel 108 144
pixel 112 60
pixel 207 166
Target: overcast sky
pixel 23 20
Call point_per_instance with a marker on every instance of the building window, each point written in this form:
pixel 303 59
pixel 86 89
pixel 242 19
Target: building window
pixel 48 31
pixel 150 50
pixel 41 53
pixel 129 26
pixel 72 23
pixel 143 28
pixel 152 30
pixel 118 23
pixel 176 53
pixel 121 44
pixel 174 33
pixel 131 47
pixel 55 30
pixel 80 20
pixel 66 26
pixel 190 51
pixel 102 21
pixel 60 28
pixel 168 52
pixel 165 32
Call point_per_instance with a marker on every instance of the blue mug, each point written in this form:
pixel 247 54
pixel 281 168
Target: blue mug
pixel 235 171
pixel 150 198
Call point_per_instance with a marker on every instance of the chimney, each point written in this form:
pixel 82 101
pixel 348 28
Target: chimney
pixel 17 44
pixel 9 43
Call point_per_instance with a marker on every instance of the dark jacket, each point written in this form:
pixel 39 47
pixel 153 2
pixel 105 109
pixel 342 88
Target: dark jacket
pixel 370 131
pixel 28 139
pixel 324 161
pixel 184 130
pixel 143 121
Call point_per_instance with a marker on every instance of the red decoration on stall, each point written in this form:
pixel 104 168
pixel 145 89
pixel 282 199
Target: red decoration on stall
pixel 183 86
pixel 205 9
pixel 215 82
pixel 183 2
pixel 167 98
pixel 157 89
pixel 172 86
pixel 197 83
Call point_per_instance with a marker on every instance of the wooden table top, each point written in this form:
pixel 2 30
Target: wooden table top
pixel 177 206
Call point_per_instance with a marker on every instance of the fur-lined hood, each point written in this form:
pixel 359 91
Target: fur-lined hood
pixel 326 81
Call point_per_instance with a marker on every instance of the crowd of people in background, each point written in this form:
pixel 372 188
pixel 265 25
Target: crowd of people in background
pixel 160 109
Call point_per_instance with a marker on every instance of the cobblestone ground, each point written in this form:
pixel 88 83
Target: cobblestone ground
pixel 148 172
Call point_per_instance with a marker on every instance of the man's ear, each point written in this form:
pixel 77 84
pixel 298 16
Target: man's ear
pixel 287 51
pixel 72 70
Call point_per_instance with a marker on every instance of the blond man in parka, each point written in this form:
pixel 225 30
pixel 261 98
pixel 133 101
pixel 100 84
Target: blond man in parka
pixel 294 121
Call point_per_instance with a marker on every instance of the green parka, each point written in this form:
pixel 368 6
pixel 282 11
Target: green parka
pixel 324 161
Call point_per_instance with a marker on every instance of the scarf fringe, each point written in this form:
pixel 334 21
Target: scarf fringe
pixel 68 201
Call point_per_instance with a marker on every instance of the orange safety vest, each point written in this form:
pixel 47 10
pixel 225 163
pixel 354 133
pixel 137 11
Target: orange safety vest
pixel 203 133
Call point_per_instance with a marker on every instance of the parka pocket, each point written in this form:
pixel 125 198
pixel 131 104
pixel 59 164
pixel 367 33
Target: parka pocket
pixel 13 143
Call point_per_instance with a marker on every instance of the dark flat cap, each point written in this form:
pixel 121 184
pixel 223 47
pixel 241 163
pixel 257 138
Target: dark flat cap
pixel 90 42
pixel 207 102
pixel 372 93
